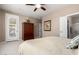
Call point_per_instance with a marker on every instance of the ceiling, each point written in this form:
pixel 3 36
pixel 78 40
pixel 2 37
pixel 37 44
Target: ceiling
pixel 25 10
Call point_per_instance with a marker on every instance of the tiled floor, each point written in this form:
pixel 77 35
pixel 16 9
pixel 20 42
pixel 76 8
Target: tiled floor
pixel 9 48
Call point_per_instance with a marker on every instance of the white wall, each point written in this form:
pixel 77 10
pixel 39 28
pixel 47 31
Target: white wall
pixel 54 29
pixel 54 17
pixel 35 21
pixel 22 18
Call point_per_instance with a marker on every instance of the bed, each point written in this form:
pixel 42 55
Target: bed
pixel 46 46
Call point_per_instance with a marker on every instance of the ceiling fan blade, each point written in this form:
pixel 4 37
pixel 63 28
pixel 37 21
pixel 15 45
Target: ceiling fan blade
pixel 43 8
pixel 35 9
pixel 31 4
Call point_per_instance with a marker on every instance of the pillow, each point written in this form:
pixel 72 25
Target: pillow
pixel 74 43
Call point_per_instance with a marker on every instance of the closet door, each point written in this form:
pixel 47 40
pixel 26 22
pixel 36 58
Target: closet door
pixel 11 27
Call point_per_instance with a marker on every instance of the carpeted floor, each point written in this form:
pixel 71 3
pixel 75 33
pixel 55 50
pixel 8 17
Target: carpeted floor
pixel 9 48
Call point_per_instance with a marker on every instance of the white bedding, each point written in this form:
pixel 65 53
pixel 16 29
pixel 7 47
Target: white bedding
pixel 46 46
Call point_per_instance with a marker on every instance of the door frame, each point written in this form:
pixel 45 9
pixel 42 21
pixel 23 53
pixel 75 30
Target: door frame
pixel 6 35
pixel 75 13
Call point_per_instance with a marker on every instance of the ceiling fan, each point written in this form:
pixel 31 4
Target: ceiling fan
pixel 37 6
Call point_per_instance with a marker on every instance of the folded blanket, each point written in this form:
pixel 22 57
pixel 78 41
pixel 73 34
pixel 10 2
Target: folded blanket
pixel 73 43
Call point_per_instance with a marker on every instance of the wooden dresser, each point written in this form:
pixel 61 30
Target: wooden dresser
pixel 28 31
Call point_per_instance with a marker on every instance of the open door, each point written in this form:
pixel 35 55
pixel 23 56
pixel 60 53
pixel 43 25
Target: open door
pixel 63 26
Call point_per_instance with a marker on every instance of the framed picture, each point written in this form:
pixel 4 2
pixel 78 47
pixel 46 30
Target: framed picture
pixel 47 25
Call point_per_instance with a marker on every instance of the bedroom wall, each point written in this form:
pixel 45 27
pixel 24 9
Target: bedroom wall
pixel 35 21
pixel 22 18
pixel 75 24
pixel 54 17
pixel 75 20
pixel 2 25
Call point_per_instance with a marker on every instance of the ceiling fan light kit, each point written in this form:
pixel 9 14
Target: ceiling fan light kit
pixel 37 6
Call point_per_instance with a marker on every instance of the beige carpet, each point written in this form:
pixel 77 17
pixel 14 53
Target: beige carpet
pixel 9 48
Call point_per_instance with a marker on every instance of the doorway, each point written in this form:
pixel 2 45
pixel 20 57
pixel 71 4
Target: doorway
pixel 73 26
pixel 69 26
pixel 11 27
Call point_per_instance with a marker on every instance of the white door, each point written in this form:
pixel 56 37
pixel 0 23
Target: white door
pixel 63 26
pixel 11 27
